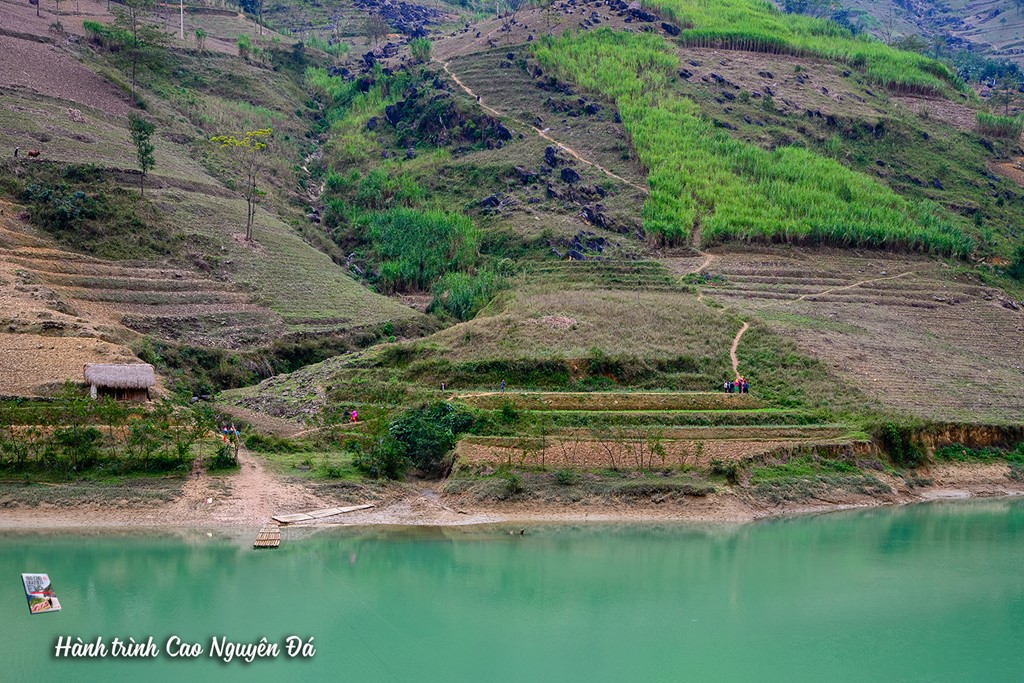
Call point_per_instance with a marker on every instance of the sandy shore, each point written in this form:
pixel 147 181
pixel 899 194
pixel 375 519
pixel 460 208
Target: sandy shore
pixel 249 499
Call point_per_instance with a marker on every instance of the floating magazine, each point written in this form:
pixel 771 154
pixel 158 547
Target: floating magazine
pixel 39 592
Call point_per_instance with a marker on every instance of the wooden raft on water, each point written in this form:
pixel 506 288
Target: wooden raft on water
pixel 268 537
pixel 317 514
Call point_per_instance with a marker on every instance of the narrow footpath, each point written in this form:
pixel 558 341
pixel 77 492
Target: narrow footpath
pixel 565 148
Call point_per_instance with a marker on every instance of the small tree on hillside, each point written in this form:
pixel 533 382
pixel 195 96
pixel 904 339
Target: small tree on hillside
pixel 887 28
pixel 141 130
pixel 129 17
pixel 1007 92
pixel 248 151
pixel 420 49
pixel 201 40
pixel 375 28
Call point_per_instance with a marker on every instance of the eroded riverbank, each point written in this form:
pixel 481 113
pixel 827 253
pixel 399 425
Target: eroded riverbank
pixel 251 497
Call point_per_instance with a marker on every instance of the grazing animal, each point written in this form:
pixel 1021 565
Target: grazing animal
pixel 32 153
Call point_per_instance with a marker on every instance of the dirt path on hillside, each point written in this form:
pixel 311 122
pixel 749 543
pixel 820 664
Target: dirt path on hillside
pixel 739 335
pixel 249 497
pixel 565 148
pixel 853 286
pixel 735 345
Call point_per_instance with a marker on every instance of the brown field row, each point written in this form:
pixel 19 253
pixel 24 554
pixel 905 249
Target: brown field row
pixel 617 454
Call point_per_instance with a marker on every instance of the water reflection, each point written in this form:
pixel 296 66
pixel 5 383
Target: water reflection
pixel 921 593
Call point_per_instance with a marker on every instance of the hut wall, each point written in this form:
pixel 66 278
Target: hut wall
pixel 137 395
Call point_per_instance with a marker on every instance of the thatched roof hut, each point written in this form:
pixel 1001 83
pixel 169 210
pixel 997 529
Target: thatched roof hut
pixel 125 381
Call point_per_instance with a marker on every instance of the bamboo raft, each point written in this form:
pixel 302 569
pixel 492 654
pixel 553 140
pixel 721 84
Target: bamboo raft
pixel 318 514
pixel 268 537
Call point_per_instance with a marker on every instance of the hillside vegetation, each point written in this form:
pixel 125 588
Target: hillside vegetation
pixel 545 239
pixel 759 26
pixel 704 180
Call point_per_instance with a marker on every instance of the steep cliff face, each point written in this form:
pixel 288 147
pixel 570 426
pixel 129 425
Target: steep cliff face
pixel 972 436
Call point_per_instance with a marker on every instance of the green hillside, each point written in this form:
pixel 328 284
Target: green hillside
pixel 570 199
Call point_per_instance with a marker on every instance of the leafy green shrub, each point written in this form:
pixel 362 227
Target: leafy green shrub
pixel 513 483
pixel 245 45
pixel 462 295
pixel 81 207
pixel 900 447
pixel 387 458
pixel 107 36
pixel 730 470
pixel 418 247
pixel 222 459
pixel 1016 268
pixel 508 413
pixel 566 477
pixel 58 207
pixel 430 433
pixel 80 445
pixel 420 49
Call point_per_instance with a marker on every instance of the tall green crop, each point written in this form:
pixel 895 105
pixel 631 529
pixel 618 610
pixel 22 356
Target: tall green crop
pixel 703 181
pixel 759 26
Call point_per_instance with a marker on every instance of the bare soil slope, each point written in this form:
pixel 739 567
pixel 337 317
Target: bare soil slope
pixel 908 331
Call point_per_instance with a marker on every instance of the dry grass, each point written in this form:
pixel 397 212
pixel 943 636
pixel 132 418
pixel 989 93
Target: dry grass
pixel 645 324
pixel 932 343
pixel 631 449
pixel 300 283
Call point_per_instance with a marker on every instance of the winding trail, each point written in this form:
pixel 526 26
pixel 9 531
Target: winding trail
pixel 746 326
pixel 735 345
pixel 565 148
pixel 708 258
pixel 853 286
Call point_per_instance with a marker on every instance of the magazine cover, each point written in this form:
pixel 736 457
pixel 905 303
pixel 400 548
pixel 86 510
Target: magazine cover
pixel 39 592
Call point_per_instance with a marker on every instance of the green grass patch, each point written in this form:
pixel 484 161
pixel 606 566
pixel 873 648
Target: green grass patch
pixel 313 462
pixel 805 466
pixel 758 25
pixel 1000 126
pixel 966 454
pixel 701 179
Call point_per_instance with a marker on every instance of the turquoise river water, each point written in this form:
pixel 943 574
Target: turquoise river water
pixel 924 593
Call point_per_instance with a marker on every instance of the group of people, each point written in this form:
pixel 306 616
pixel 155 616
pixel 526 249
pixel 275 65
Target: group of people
pixel 737 386
pixel 229 433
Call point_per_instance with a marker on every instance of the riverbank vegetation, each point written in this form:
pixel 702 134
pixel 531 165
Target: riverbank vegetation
pixel 73 436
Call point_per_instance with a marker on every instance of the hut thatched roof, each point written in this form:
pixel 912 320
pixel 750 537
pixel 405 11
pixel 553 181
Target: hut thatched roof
pixel 120 375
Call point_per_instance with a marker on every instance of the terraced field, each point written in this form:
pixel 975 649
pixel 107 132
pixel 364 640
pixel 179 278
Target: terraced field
pixel 646 275
pixel 634 429
pixel 169 301
pixel 913 333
